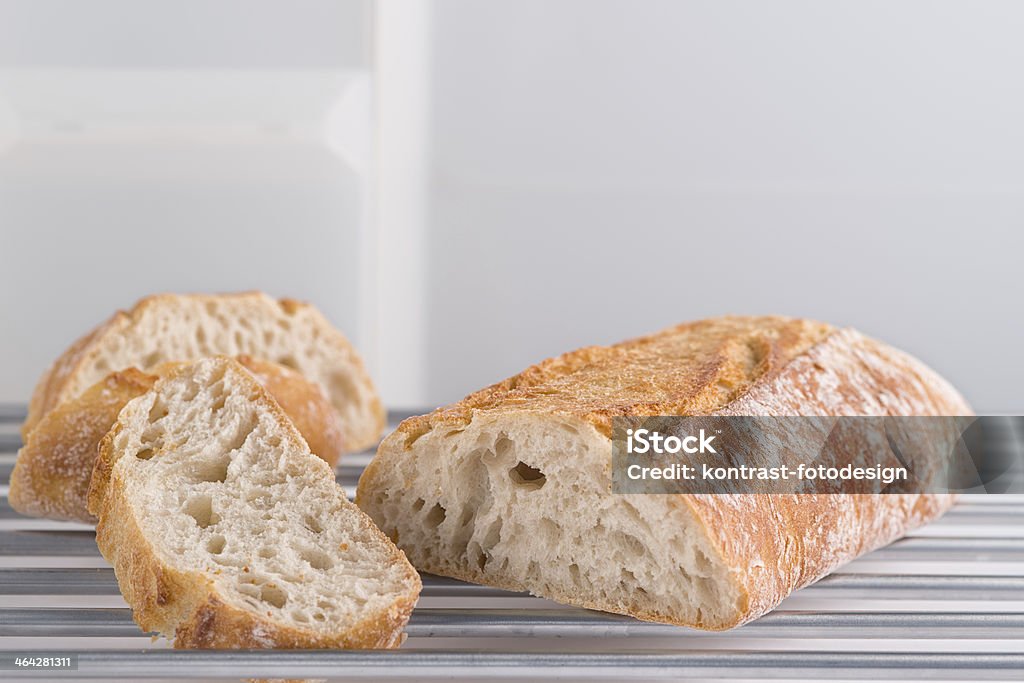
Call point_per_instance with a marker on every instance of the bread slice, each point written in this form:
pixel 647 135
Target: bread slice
pixel 226 532
pixel 172 327
pixel 511 486
pixel 51 475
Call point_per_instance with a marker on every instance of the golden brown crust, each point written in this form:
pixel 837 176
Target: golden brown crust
pixel 846 374
pixel 185 603
pixel 44 396
pixel 216 625
pixel 51 476
pixel 61 381
pixel 773 544
pixel 690 369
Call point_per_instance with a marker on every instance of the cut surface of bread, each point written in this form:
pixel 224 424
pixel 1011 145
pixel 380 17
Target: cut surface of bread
pixel 174 328
pixel 226 532
pixel 51 475
pixel 511 487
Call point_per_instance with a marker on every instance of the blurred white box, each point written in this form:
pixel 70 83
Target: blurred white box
pixel 189 146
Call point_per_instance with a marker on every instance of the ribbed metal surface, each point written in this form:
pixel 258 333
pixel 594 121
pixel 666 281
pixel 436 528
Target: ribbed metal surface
pixel 946 603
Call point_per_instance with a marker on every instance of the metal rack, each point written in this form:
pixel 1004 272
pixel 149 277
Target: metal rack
pixel 945 603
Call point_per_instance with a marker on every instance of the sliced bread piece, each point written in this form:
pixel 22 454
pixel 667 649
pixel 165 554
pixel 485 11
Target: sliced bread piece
pixel 511 487
pixel 226 532
pixel 173 327
pixel 51 475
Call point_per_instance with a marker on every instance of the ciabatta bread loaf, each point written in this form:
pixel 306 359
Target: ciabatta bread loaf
pixel 226 532
pixel 51 475
pixel 171 327
pixel 511 487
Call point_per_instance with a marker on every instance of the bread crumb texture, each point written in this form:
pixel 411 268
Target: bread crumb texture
pixel 511 486
pixel 51 476
pixel 225 531
pixel 174 328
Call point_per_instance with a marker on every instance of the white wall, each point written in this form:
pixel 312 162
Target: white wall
pixel 553 173
pixel 604 168
pixel 188 146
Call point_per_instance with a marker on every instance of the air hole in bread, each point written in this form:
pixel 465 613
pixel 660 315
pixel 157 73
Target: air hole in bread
pixel 300 616
pixel 634 546
pixel 313 524
pixel 240 438
pixel 436 516
pixel 503 447
pixel 418 504
pixel 200 336
pixel 493 535
pixel 218 405
pixel 476 555
pixel 152 438
pixel 249 589
pixel 151 359
pixel 317 559
pixel 190 392
pixel 548 528
pixel 259 498
pixel 527 477
pixel 266 553
pixel 702 562
pixel 324 604
pixel 272 595
pixel 145 454
pixel 215 545
pixel 157 411
pixel 341 383
pixel 288 362
pixel 319 616
pixel 215 471
pixel 200 508
pixel 239 338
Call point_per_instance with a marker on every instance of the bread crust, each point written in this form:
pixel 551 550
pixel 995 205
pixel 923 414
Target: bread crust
pixel 691 369
pixel 51 475
pixel 772 544
pixel 66 377
pixel 186 603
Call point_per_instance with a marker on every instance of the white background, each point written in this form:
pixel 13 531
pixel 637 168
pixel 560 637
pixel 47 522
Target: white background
pixel 551 174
